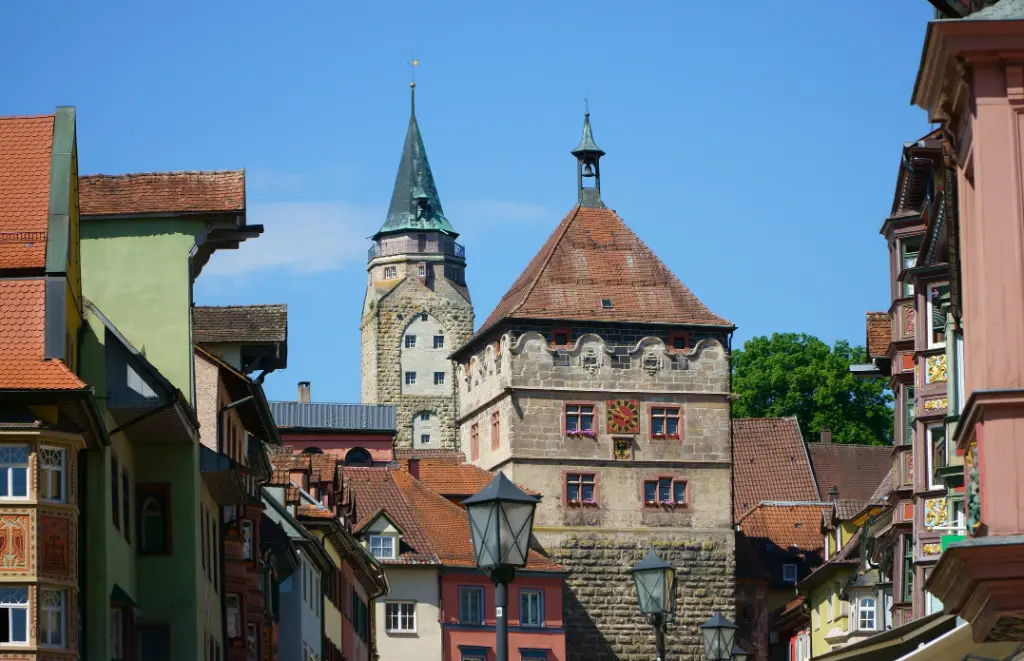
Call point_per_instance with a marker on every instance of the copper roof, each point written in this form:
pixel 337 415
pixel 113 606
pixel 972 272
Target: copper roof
pixel 879 329
pixel 769 463
pixel 162 192
pixel 856 470
pixel 240 323
pixel 22 324
pixel 592 256
pixel 25 150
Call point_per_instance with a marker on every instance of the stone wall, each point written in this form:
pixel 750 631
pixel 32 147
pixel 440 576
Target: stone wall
pixel 602 620
pixel 386 316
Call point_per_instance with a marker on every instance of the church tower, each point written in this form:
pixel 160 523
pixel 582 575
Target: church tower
pixel 417 308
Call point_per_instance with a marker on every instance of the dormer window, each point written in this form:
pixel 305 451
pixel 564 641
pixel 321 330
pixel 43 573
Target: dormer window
pixel 382 547
pixel 606 304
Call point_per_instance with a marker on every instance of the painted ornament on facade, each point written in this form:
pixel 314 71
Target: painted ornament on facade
pixel 934 512
pixel 931 549
pixel 909 320
pixel 54 536
pixel 935 404
pixel 936 369
pixel 623 448
pixel 14 538
pixel 973 495
pixel 623 416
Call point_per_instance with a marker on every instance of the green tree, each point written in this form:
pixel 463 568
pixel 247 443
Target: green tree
pixel 798 375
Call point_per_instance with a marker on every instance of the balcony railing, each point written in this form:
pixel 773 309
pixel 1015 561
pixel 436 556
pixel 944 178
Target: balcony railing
pixel 405 246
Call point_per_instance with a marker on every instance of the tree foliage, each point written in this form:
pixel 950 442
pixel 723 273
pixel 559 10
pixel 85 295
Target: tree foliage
pixel 798 375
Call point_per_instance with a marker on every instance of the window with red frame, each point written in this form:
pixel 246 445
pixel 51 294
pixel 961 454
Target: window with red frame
pixel 474 441
pixel 678 341
pixel 665 422
pixel 579 419
pixel 581 488
pixel 561 337
pixel 495 429
pixel 664 491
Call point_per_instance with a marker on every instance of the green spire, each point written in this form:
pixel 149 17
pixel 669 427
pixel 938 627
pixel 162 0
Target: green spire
pixel 415 204
pixel 587 146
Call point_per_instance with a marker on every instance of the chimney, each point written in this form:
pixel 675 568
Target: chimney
pixel 833 493
pixel 414 466
pixel 304 392
pixel 826 434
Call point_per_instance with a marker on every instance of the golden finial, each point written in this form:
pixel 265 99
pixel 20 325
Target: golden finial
pixel 412 84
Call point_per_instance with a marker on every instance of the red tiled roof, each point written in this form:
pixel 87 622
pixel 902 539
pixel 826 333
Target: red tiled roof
pixel 162 192
pixel 856 470
pixel 373 491
pixel 769 463
pixel 25 150
pixel 321 467
pixel 879 333
pixel 786 526
pixel 22 323
pixel 592 255
pixel 885 488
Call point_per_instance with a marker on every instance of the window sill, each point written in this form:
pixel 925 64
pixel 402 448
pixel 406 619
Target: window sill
pixel 402 634
pixel 584 504
pixel 668 506
pixel 665 437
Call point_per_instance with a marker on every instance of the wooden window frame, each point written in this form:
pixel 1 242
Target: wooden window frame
pixel 555 332
pixel 483 605
pixel 687 341
pixel 566 504
pixel 143 491
pixel 651 406
pixel 474 441
pixel 495 430
pixel 579 431
pixel 658 503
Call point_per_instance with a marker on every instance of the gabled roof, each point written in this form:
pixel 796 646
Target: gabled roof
pixel 26 144
pixel 373 490
pixel 879 332
pixel 22 327
pixel 770 463
pixel 240 323
pixel 447 473
pixel 856 470
pixel 162 193
pixel 593 255
pixel 786 526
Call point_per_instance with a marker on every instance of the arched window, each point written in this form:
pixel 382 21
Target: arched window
pixel 153 525
pixel 358 457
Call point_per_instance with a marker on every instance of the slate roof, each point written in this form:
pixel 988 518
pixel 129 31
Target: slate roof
pixel 25 151
pixel 786 526
pixel 856 470
pixel 592 255
pixel 879 332
pixel 770 463
pixel 347 417
pixel 240 323
pixel 162 192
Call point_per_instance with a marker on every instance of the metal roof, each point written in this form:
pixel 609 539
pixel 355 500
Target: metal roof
pixel 320 415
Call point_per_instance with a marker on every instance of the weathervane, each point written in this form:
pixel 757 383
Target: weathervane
pixel 412 83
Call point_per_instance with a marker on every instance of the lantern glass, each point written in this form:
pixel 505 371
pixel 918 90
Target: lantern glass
pixel 655 582
pixel 515 522
pixel 717 635
pixel 738 653
pixel 500 524
pixel 483 530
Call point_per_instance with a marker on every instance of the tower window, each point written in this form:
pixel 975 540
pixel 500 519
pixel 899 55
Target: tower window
pixel 423 270
pixel 438 378
pixel 423 316
pixel 410 378
pixel 425 439
pixel 390 272
pixel 410 341
pixel 606 303
pixel 439 341
pixel 425 417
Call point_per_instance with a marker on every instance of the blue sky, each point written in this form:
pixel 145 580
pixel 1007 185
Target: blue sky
pixel 753 146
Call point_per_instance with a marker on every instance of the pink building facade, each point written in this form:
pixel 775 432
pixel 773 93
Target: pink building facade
pixel 536 631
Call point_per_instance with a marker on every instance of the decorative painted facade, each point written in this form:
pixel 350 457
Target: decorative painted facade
pixel 597 317
pixel 417 307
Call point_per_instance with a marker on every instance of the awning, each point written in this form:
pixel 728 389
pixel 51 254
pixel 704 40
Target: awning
pixel 892 644
pixel 957 644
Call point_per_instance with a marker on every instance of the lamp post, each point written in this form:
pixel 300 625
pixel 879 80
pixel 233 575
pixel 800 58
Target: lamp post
pixel 655 582
pixel 500 523
pixel 718 637
pixel 738 653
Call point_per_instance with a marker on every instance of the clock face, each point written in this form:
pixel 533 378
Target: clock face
pixel 623 416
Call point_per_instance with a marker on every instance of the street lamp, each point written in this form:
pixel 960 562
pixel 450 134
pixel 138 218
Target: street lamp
pixel 500 523
pixel 655 582
pixel 717 635
pixel 738 653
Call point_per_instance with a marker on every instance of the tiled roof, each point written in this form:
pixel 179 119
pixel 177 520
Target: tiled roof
pixel 592 255
pixel 846 509
pixel 22 323
pixel 856 470
pixel 879 329
pixel 240 323
pixel 885 488
pixel 448 478
pixel 162 192
pixel 321 467
pixel 769 463
pixel 373 491
pixel 347 417
pixel 25 150
pixel 786 526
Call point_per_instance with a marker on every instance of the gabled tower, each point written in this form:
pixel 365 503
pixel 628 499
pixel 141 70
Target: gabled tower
pixel 417 307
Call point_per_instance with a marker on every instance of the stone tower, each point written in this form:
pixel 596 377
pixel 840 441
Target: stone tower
pixel 417 307
pixel 602 382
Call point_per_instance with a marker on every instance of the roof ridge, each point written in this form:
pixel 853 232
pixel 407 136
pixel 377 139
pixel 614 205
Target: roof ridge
pixel 43 116
pixel 127 175
pixel 547 260
pixel 250 305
